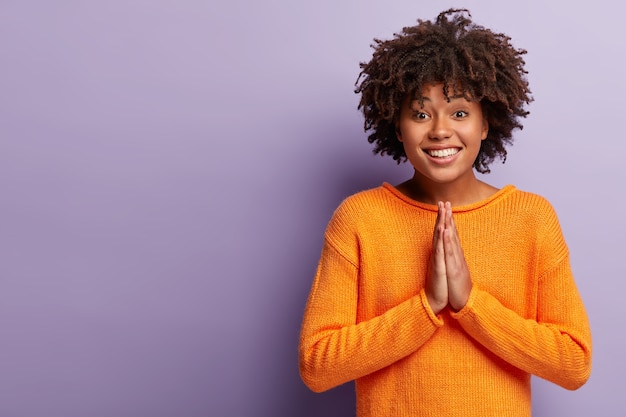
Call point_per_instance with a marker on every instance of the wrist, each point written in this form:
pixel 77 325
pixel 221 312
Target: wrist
pixel 436 306
pixel 460 301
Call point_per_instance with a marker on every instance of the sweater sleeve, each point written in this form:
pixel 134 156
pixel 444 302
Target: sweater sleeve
pixel 335 347
pixel 557 345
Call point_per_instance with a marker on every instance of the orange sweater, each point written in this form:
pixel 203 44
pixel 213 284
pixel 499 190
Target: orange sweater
pixel 367 317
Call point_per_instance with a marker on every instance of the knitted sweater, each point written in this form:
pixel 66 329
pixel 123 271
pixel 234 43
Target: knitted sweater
pixel 367 317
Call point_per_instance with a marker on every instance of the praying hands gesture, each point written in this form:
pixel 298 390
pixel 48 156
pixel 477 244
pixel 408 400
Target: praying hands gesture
pixel 448 281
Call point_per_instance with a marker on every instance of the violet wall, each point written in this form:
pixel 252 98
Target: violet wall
pixel 167 169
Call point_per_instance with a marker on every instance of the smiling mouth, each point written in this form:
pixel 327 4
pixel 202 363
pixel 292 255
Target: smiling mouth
pixel 442 153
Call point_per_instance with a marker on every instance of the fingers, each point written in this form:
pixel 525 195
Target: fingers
pixel 436 282
pixel 439 223
pixel 451 225
pixel 452 243
pixel 448 281
pixel 439 253
pixel 457 272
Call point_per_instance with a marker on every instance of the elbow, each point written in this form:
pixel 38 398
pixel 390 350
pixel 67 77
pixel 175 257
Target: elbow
pixel 313 374
pixel 571 379
pixel 577 379
pixel 576 367
pixel 311 377
pixel 314 384
pixel 578 376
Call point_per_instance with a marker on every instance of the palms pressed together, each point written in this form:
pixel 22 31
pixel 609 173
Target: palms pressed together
pixel 448 281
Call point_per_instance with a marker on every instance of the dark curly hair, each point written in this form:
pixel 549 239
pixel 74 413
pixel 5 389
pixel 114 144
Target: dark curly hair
pixel 474 61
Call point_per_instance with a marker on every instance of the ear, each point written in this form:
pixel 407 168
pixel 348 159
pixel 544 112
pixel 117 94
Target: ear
pixel 485 129
pixel 398 132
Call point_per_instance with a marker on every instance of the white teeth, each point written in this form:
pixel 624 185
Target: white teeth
pixel 442 153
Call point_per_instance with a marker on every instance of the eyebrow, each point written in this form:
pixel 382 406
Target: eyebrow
pixel 424 98
pixel 416 101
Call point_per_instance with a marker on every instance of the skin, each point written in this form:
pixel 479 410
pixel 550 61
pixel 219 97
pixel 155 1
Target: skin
pixel 448 282
pixel 456 126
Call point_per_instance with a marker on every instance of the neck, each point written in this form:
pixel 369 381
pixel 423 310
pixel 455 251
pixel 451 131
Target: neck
pixel 460 192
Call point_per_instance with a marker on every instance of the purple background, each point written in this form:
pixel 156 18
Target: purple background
pixel 167 169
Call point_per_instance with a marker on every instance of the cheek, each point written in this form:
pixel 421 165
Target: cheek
pixel 412 151
pixel 410 132
pixel 403 130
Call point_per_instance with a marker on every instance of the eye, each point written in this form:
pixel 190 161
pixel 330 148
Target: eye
pixel 420 115
pixel 459 114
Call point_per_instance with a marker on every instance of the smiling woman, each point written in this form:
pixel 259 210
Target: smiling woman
pixel 443 295
pixel 449 52
pixel 441 138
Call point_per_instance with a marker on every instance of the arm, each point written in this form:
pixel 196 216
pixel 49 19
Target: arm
pixel 334 347
pixel 557 345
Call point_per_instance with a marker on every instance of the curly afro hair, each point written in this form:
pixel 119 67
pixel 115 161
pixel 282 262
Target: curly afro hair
pixel 474 61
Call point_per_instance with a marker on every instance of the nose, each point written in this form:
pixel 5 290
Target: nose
pixel 440 128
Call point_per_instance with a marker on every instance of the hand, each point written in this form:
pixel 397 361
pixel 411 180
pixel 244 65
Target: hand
pixel 457 273
pixel 436 282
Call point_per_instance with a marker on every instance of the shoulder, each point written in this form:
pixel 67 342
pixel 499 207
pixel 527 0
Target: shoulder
pixel 359 212
pixel 528 213
pixel 541 225
pixel 358 207
pixel 532 204
pixel 363 201
pixel 527 198
pixel 538 216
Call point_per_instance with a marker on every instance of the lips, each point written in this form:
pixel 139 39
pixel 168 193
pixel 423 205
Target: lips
pixel 442 153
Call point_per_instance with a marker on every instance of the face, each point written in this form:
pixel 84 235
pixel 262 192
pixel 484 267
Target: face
pixel 441 138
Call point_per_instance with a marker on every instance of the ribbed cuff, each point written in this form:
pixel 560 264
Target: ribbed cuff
pixel 437 320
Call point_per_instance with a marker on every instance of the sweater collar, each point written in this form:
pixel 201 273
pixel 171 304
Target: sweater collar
pixel 498 195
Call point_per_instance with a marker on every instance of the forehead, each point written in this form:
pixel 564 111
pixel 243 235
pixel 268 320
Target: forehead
pixel 437 93
pixel 449 91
